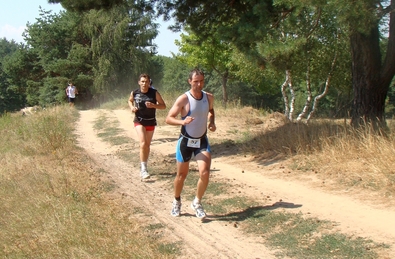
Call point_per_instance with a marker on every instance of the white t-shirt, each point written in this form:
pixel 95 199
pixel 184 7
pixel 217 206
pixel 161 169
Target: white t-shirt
pixel 71 91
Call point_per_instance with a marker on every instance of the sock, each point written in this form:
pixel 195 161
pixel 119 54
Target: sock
pixel 196 201
pixel 143 166
pixel 177 198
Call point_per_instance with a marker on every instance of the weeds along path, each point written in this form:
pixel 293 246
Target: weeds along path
pixel 216 238
pixel 151 201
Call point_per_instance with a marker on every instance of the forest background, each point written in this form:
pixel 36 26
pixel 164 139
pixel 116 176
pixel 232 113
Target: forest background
pixel 299 58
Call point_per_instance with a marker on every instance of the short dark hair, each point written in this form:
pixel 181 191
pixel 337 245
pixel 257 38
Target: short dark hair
pixel 195 71
pixel 145 76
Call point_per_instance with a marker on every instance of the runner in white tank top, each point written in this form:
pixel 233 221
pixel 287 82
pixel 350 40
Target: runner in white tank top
pixel 71 92
pixel 196 108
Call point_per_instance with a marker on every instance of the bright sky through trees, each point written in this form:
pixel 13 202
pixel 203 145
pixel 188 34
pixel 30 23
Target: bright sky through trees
pixel 15 14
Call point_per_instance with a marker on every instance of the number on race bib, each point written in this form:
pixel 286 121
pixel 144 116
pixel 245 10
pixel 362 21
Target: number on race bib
pixel 195 143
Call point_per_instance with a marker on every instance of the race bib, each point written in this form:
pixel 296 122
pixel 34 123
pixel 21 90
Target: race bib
pixel 195 143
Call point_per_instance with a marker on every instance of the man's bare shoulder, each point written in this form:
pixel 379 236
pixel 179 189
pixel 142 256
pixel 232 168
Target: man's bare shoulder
pixel 210 96
pixel 182 98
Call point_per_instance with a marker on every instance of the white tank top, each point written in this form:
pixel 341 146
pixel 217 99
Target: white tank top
pixel 199 110
pixel 71 91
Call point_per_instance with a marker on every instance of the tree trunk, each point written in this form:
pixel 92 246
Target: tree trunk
pixel 288 107
pixel 308 93
pixel 369 93
pixel 293 97
pixel 370 78
pixel 284 94
pixel 224 88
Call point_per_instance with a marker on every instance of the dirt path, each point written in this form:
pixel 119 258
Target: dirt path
pixel 216 238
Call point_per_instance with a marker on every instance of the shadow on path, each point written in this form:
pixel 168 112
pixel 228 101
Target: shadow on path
pixel 251 212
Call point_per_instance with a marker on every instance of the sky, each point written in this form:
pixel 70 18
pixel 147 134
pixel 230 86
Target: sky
pixel 15 14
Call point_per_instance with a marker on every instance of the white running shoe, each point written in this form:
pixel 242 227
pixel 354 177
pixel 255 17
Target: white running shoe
pixel 198 208
pixel 176 210
pixel 144 174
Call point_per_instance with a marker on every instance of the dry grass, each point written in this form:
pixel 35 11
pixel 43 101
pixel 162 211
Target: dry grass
pixel 54 201
pixel 328 150
pixel 358 160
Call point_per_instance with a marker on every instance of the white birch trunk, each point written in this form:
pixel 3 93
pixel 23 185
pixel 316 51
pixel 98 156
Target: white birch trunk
pixel 327 84
pixel 309 94
pixel 284 93
pixel 292 91
pixel 289 107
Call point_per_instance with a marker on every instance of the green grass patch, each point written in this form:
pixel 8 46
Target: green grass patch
pixel 151 227
pixel 298 236
pixel 108 130
pixel 216 188
pixel 292 234
pixel 232 208
pixel 129 154
pixel 170 248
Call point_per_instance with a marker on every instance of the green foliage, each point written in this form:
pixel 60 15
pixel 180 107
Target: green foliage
pixel 175 75
pixel 390 102
pixel 58 42
pixel 33 91
pixel 52 35
pixel 210 53
pixel 86 5
pixel 264 80
pixel 155 69
pixel 102 52
pixel 7 47
pixel 52 92
pixel 266 39
pixel 224 70
pixel 359 15
pixel 128 33
pixel 244 48
pixel 11 96
pixel 304 37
